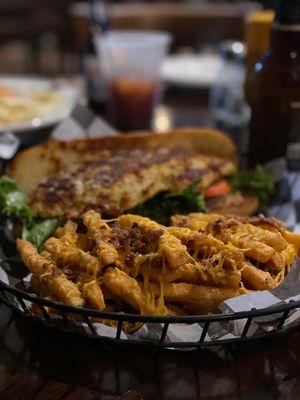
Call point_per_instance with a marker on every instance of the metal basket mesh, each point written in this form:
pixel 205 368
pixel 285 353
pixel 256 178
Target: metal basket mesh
pixel 83 321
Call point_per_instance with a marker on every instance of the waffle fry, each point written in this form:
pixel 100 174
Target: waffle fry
pixel 134 264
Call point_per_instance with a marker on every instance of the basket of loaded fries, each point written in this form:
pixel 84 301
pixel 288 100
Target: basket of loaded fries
pixel 146 239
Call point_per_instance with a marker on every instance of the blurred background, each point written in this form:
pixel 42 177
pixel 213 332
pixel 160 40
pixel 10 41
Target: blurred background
pixel 203 75
pixel 45 36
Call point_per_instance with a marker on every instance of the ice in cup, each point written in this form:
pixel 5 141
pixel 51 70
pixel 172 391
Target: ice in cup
pixel 131 64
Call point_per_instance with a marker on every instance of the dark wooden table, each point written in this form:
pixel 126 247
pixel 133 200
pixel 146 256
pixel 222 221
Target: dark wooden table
pixel 41 364
pixel 36 363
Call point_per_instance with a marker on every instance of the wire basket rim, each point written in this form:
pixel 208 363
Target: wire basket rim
pixel 253 313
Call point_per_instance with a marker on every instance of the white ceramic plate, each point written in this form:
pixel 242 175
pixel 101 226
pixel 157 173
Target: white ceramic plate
pixel 191 70
pixel 67 95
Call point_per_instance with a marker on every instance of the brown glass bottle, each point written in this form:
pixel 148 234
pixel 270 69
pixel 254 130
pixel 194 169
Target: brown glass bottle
pixel 273 84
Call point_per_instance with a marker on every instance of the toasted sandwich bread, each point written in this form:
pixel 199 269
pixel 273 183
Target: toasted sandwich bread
pixel 34 165
pixel 115 174
pixel 236 203
pixel 118 181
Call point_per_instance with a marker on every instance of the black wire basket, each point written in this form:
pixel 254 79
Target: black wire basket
pixel 213 329
pixel 80 321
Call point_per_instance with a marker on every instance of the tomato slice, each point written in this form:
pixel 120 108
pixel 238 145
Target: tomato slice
pixel 6 92
pixel 217 189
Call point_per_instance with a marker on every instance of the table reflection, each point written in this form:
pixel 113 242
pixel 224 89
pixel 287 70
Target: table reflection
pixel 35 358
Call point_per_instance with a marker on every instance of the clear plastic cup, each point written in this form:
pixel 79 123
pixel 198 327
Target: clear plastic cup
pixel 131 64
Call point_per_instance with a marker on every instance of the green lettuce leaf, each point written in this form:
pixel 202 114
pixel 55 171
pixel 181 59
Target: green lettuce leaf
pixel 40 231
pixel 13 204
pixel 255 182
pixel 165 204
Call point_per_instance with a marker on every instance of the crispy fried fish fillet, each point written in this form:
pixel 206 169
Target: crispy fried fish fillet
pixel 113 182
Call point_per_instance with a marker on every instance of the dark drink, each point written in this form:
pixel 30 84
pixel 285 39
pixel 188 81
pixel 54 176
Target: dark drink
pixel 273 85
pixel 131 103
pixel 131 61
